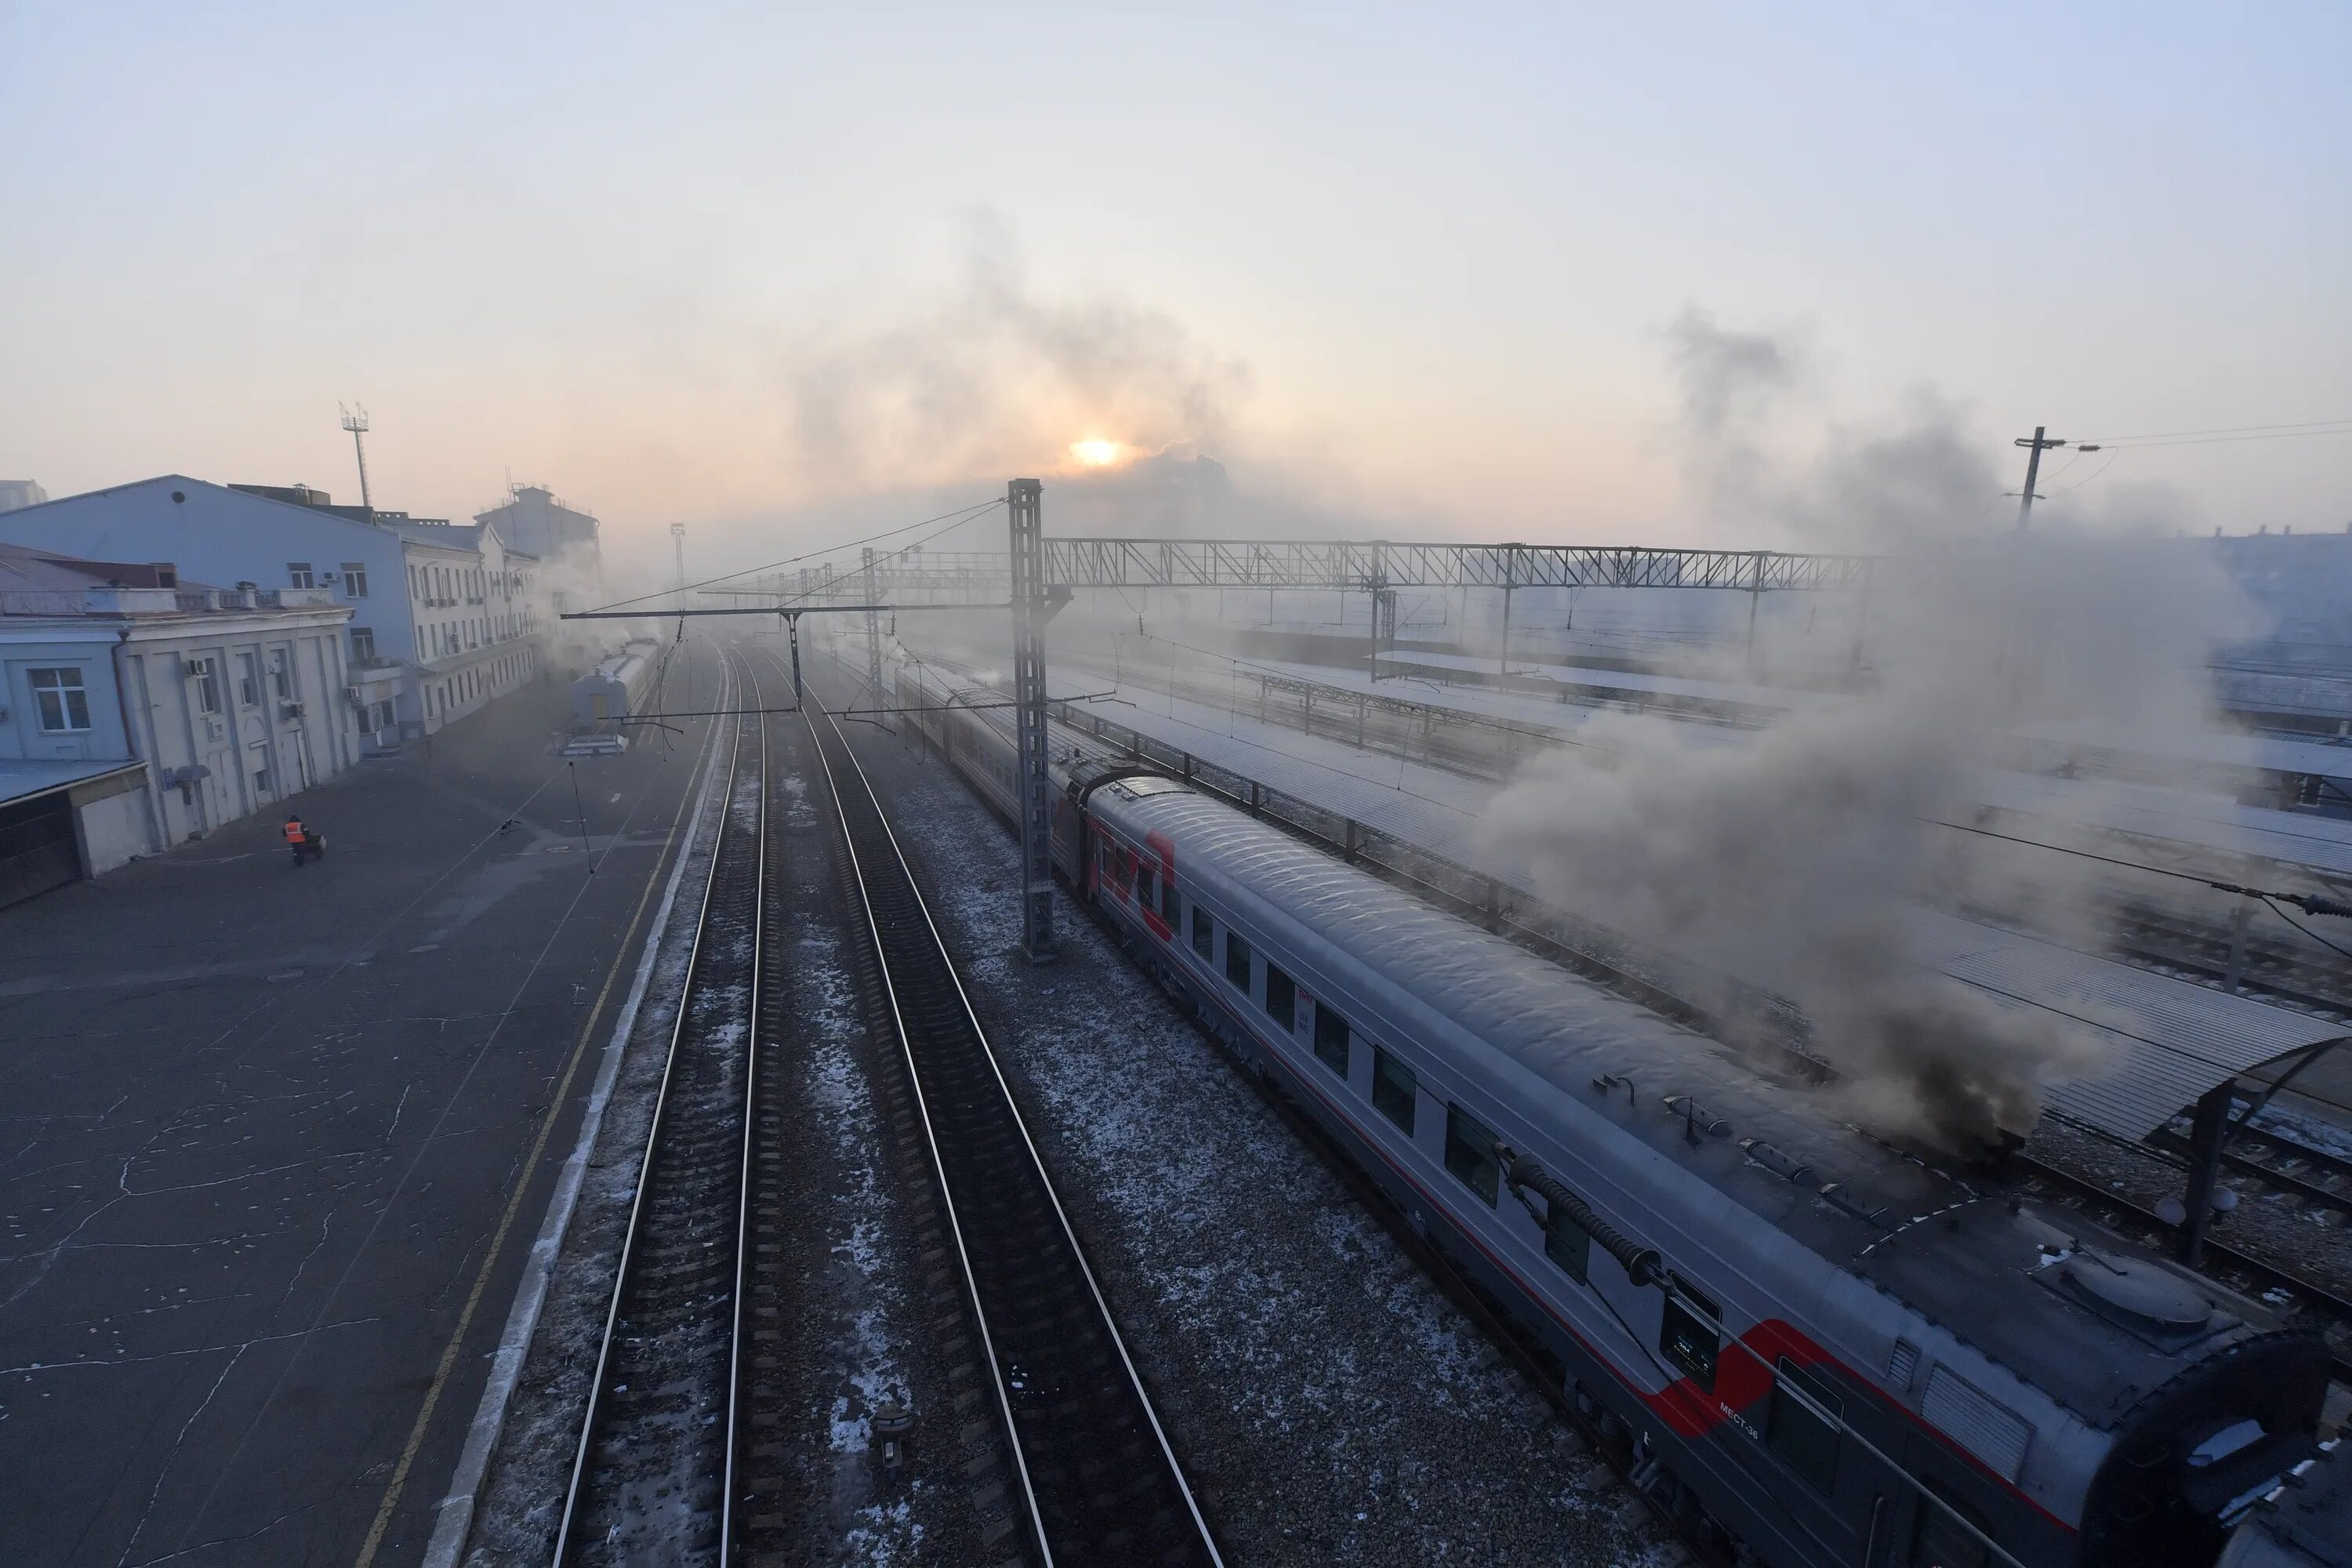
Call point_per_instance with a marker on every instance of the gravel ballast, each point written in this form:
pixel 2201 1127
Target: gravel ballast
pixel 1329 1404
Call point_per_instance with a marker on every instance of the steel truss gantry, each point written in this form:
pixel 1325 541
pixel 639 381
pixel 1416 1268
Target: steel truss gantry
pixel 1340 565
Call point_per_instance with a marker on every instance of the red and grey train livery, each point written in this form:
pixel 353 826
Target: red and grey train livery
pixel 1816 1349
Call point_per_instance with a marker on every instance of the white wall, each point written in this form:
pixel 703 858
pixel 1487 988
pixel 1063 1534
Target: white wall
pixel 114 831
pixel 90 650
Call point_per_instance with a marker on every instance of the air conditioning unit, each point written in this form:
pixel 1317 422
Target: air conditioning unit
pixel 290 709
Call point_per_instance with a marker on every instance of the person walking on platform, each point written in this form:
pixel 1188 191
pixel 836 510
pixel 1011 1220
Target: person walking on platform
pixel 298 838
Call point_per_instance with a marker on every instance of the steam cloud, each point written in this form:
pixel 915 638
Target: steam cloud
pixel 1792 860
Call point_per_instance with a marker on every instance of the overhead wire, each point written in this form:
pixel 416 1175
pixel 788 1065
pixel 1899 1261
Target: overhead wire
pixel 2314 424
pixel 954 519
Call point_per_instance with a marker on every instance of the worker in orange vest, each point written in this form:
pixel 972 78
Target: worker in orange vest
pixel 297 837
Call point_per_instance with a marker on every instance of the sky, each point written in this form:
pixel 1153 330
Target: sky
pixel 772 270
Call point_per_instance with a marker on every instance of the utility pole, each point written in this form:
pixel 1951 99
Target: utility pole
pixel 2037 444
pixel 678 539
pixel 1024 501
pixel 355 420
pixel 1510 581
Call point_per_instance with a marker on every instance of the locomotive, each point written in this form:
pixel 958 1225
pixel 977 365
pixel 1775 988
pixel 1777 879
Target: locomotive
pixel 1810 1346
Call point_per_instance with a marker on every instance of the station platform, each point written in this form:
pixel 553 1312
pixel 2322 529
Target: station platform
pixel 278 1140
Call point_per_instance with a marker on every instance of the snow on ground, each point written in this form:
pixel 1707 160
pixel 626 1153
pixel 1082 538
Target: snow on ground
pixel 1329 1404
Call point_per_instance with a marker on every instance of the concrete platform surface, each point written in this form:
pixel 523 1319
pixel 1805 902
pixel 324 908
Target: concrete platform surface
pixel 260 1126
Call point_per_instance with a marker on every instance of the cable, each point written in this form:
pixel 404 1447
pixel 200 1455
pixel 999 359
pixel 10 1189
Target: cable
pixel 2093 474
pixel 2208 440
pixel 2302 928
pixel 2224 430
pixel 966 515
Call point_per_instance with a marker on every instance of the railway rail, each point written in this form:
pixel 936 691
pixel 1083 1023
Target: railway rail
pixel 657 1446
pixel 2297 973
pixel 1096 1480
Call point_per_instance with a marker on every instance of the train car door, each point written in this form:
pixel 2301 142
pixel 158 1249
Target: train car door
pixel 1929 1533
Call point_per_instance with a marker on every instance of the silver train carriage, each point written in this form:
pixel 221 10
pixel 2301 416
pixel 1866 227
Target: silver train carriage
pixel 1820 1350
pixel 617 689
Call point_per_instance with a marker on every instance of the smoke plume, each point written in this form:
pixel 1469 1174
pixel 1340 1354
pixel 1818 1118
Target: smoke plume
pixel 1797 860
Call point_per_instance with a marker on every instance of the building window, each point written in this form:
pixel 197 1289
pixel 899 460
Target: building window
pixel 281 678
pixel 60 700
pixel 414 590
pixel 1470 1153
pixel 1395 1091
pixel 1331 1039
pixel 363 642
pixel 1792 1429
pixel 1281 999
pixel 207 685
pixel 1204 935
pixel 1237 959
pixel 1568 1244
pixel 354 579
pixel 249 681
pixel 1688 1339
pixel 297 573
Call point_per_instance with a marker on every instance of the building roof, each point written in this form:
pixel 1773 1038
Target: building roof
pixel 46 585
pixel 23 780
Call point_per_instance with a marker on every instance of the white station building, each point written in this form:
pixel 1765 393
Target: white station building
pixel 138 710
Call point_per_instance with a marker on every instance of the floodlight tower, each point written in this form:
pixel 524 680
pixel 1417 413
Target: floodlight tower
pixel 678 537
pixel 355 420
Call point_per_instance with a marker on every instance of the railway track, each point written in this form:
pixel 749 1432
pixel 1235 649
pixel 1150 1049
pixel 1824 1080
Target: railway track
pixel 1094 1480
pixel 2297 973
pixel 2312 1176
pixel 657 1445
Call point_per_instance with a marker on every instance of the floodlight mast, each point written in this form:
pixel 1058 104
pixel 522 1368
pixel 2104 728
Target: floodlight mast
pixel 355 420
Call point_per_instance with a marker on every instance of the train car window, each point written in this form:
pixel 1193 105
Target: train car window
pixel 1281 998
pixel 1395 1091
pixel 1937 1541
pixel 1470 1153
pixel 1237 959
pixel 1570 1245
pixel 1143 886
pixel 1807 1443
pixel 1687 1342
pixel 1168 899
pixel 1204 934
pixel 1331 1039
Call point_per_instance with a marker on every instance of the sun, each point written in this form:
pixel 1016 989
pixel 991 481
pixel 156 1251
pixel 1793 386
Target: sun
pixel 1096 453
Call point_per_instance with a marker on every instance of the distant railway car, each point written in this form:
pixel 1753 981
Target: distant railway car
pixel 1814 1348
pixel 617 689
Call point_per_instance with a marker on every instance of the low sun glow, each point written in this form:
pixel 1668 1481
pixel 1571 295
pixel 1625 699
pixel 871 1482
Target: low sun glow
pixel 1096 453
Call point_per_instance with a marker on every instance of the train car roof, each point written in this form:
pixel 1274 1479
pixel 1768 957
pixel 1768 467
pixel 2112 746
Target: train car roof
pixel 1984 1270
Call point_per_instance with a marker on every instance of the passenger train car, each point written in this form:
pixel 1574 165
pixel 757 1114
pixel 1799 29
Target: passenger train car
pixel 1814 1348
pixel 617 689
